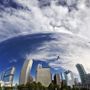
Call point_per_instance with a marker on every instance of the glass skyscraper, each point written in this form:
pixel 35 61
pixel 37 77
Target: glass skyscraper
pixel 82 72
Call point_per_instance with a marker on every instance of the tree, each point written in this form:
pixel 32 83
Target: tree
pixel 51 86
pixel 0 87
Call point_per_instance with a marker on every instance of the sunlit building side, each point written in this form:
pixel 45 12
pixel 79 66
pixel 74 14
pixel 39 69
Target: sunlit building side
pixel 43 75
pixel 25 71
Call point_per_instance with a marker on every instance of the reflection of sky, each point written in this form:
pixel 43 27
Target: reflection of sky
pixel 44 64
pixel 13 52
pixel 25 17
pixel 44 47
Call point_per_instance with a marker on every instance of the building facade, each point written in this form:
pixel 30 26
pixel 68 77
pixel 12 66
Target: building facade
pixel 87 79
pixel 69 78
pixel 30 79
pixel 57 80
pixel 25 72
pixel 76 81
pixel 43 75
pixel 82 72
pixel 7 76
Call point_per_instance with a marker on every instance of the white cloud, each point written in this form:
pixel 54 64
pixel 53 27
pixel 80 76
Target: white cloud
pixel 49 18
pixel 71 49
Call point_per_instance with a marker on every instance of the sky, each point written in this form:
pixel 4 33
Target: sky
pixel 43 30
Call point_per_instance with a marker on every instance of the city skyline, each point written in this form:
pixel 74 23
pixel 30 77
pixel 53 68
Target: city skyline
pixel 45 76
pixel 53 33
pixel 32 72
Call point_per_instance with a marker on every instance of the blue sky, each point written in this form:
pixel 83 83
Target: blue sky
pixel 13 53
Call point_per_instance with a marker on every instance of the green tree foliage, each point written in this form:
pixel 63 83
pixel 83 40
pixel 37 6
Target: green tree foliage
pixel 0 87
pixel 32 86
pixel 51 87
pixel 39 86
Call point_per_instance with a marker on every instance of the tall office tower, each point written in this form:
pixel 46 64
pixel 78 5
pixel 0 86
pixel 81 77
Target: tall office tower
pixel 87 79
pixel 30 79
pixel 43 75
pixel 2 76
pixel 57 79
pixel 69 78
pixel 25 71
pixel 82 72
pixel 76 81
pixel 7 76
pixel 63 77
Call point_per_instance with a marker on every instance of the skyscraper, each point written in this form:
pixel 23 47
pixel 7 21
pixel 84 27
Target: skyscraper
pixel 57 79
pixel 25 71
pixel 30 79
pixel 69 78
pixel 87 79
pixel 7 76
pixel 82 72
pixel 2 76
pixel 76 81
pixel 43 75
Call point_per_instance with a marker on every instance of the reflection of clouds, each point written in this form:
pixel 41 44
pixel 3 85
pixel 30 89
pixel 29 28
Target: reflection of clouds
pixel 72 50
pixel 51 18
pixel 47 47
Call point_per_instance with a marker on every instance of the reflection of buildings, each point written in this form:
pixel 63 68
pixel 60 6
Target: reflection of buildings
pixel 2 75
pixel 30 79
pixel 85 78
pixel 1 83
pixel 76 81
pixel 69 78
pixel 82 72
pixel 25 72
pixel 57 79
pixel 7 77
pixel 43 75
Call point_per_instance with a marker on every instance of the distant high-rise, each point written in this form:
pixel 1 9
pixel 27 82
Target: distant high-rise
pixel 76 81
pixel 7 76
pixel 57 79
pixel 87 79
pixel 82 72
pixel 43 75
pixel 25 71
pixel 2 76
pixel 69 78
